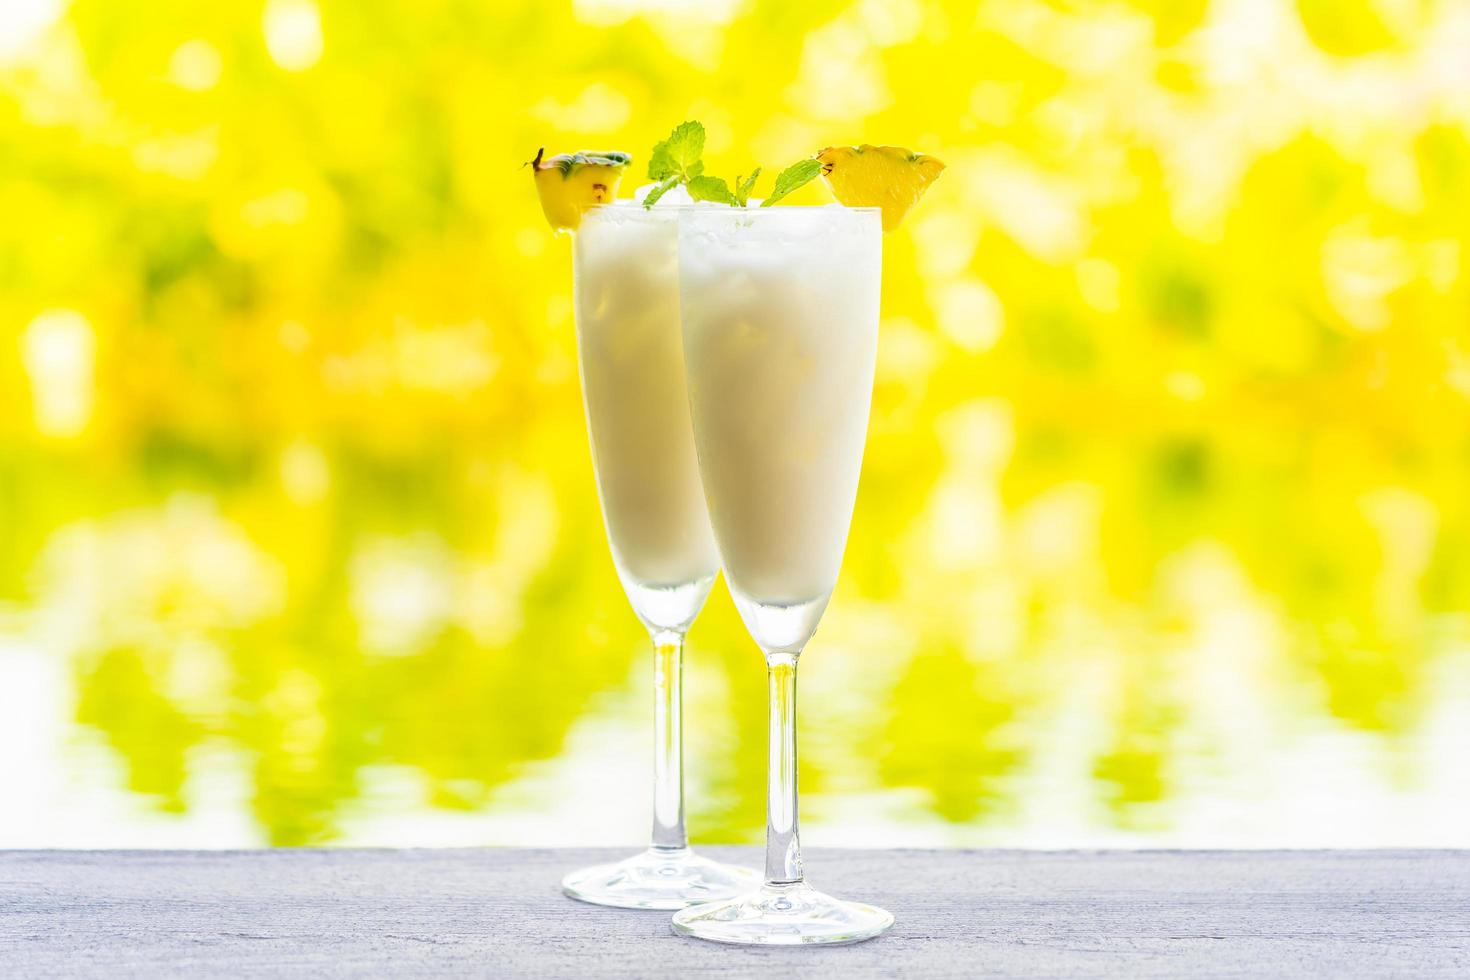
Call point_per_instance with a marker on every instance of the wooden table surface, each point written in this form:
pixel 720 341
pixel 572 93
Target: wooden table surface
pixel 499 913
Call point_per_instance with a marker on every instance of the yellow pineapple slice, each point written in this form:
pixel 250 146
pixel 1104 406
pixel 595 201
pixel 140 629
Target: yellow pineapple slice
pixel 570 183
pixel 889 177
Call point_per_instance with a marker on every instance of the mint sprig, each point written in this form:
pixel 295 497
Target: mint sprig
pixel 677 161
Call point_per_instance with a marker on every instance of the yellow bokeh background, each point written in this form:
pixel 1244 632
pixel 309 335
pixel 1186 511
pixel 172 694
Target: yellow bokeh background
pixel 1164 528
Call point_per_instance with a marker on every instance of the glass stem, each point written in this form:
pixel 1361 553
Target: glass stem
pixel 668 750
pixel 783 835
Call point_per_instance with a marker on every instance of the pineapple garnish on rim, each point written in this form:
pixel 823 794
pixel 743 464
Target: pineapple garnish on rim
pixel 889 177
pixel 570 183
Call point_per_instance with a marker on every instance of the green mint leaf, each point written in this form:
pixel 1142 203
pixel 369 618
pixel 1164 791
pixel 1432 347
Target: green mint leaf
pixel 743 186
pixel 676 159
pixel 664 186
pixel 679 154
pixel 792 178
pixel 684 147
pixel 712 189
pixel 660 163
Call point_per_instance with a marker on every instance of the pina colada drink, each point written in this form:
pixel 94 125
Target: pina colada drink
pixel 780 309
pixel 629 341
pixel 780 333
pixel 780 314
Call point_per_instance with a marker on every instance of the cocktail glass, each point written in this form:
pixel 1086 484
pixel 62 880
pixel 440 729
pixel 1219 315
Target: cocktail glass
pixel 626 286
pixel 780 312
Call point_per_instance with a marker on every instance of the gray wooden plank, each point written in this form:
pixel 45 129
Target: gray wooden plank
pixel 498 913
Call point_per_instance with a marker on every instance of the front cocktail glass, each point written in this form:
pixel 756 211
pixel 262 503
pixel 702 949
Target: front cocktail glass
pixel 780 311
pixel 626 285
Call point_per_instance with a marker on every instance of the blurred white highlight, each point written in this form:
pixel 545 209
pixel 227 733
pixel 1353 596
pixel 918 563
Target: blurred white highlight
pixel 59 350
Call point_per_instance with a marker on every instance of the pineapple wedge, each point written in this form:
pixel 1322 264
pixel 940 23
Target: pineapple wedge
pixel 889 177
pixel 570 183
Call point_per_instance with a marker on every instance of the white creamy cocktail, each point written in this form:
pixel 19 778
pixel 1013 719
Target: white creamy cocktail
pixel 780 336
pixel 629 340
pixel 626 286
pixel 780 309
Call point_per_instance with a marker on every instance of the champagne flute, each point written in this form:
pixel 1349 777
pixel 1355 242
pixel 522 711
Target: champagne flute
pixel 625 275
pixel 780 313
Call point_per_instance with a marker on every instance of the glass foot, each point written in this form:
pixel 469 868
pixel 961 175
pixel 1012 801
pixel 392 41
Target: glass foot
pixel 783 915
pixel 659 880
